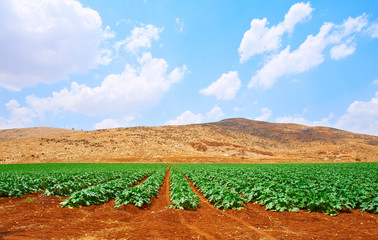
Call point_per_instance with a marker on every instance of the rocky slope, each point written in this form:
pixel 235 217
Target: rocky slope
pixel 230 140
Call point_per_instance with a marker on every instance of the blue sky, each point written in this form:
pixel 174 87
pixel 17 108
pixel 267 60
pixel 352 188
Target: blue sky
pixel 104 64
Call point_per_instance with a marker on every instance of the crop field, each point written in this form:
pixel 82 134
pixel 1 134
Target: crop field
pixel 227 201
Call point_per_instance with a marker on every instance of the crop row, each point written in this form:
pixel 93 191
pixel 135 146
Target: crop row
pixel 180 193
pixel 322 188
pixel 327 188
pixel 19 184
pixel 101 193
pixel 61 179
pixel 218 194
pixel 86 188
pixel 141 194
pixel 80 181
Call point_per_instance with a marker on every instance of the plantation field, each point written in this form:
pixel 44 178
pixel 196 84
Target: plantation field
pixel 208 201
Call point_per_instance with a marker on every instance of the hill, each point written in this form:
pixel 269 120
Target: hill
pixel 35 132
pixel 230 140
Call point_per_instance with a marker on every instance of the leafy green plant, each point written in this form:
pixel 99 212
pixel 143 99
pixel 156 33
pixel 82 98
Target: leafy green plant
pixel 29 199
pixel 180 193
pixel 141 194
pixel 221 196
pixel 101 193
pixel 326 188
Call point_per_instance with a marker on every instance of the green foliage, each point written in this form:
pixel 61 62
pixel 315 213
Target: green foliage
pixel 19 184
pixel 101 193
pixel 327 188
pixel 61 179
pixel 221 196
pixel 80 181
pixel 29 199
pixel 141 194
pixel 181 194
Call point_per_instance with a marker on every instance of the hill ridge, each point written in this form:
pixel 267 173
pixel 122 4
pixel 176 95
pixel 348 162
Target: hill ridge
pixel 229 140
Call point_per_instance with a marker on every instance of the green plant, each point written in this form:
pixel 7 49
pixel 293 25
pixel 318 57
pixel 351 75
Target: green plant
pixel 141 194
pixel 29 199
pixel 181 194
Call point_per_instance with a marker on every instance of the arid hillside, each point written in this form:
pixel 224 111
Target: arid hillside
pixel 35 132
pixel 230 140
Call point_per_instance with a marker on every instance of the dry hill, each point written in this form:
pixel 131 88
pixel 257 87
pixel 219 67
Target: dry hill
pixel 35 132
pixel 231 140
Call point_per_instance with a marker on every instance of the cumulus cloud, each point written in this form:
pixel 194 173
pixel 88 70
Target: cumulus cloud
pixel 361 117
pixel 373 30
pixel 141 37
pixel 45 41
pixel 259 38
pixel 225 87
pixel 186 117
pixel 341 51
pixel 265 114
pixel 134 89
pixel 310 53
pixel 300 119
pixel 189 117
pixel 19 116
pixel 215 113
pixel 138 87
pixel 114 123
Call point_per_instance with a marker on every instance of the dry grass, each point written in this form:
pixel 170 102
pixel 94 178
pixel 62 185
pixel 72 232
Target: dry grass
pixel 233 140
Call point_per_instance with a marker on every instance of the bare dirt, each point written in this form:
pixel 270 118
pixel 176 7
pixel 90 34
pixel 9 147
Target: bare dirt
pixel 35 217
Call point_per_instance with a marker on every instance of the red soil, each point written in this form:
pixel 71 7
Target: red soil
pixel 32 217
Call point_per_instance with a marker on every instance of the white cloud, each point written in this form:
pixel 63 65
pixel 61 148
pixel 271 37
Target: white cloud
pixel 309 54
pixel 215 113
pixel 188 117
pixel 108 33
pixel 123 20
pixel 343 50
pixel 141 37
pixel 375 82
pixel 305 57
pixel 259 38
pixel 373 30
pixel 361 117
pixel 265 114
pixel 114 123
pixel 225 87
pixel 45 41
pixel 19 116
pixel 300 119
pixel 238 109
pixel 179 25
pixel 135 89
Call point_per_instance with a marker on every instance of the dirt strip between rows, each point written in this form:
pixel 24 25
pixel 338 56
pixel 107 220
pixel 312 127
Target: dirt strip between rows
pixel 205 202
pixel 35 217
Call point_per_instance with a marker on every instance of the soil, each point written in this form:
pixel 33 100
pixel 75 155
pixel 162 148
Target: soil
pixel 35 217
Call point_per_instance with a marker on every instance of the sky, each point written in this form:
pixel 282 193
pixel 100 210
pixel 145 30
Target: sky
pixel 91 64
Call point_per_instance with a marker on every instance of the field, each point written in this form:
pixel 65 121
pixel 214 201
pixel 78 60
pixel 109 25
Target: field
pixel 185 201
